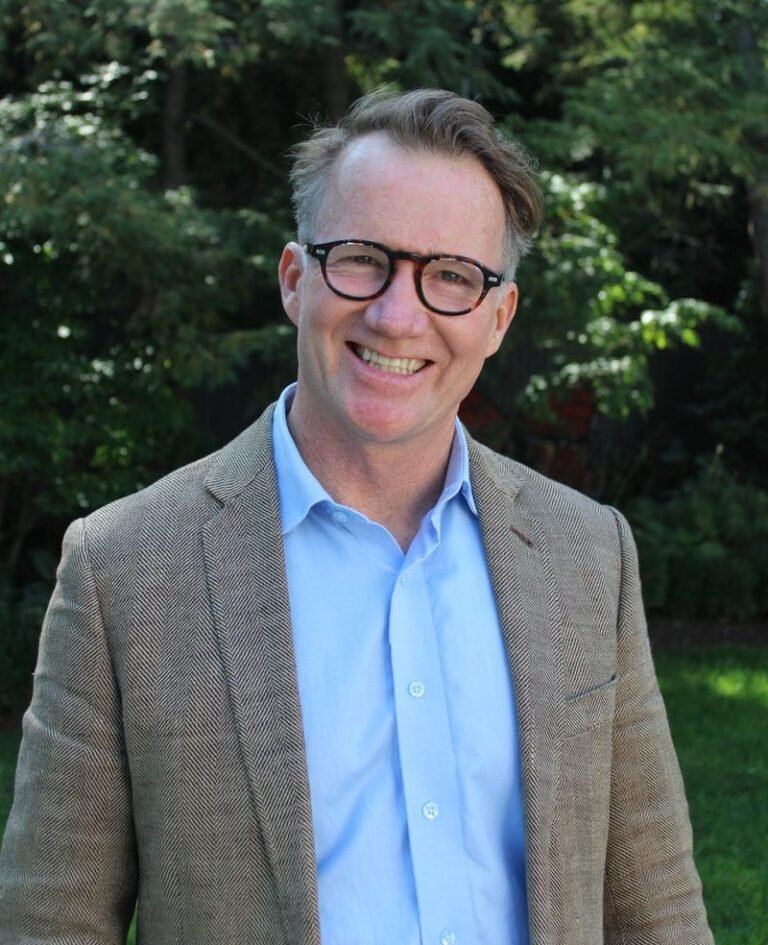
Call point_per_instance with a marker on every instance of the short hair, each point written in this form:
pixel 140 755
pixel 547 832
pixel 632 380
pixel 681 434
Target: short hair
pixel 431 120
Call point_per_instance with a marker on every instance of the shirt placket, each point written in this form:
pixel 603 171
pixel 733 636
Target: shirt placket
pixel 428 765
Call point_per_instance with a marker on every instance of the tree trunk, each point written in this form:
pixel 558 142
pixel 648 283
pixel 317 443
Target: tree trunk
pixel 4 489
pixel 174 120
pixel 335 83
pixel 27 518
pixel 758 232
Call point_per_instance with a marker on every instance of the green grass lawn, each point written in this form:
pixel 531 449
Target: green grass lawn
pixel 717 699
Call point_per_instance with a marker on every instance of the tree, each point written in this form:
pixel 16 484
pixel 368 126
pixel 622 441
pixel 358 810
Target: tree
pixel 117 298
pixel 143 185
pixel 587 322
pixel 672 92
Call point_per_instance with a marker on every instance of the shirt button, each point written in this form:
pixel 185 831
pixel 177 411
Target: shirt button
pixel 339 516
pixel 430 810
pixel 417 689
pixel 447 937
pixel 404 580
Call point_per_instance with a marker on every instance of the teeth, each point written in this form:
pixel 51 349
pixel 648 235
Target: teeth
pixel 396 365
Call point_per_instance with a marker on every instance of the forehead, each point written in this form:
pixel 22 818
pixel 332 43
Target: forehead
pixel 413 199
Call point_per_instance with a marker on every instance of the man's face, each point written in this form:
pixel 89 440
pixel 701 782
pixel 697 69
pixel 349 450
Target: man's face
pixel 420 203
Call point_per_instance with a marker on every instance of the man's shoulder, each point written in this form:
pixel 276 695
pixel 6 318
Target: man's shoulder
pixel 585 540
pixel 189 495
pixel 542 497
pixel 527 485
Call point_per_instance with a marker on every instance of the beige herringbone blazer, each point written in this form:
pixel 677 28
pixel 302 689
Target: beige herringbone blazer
pixel 163 753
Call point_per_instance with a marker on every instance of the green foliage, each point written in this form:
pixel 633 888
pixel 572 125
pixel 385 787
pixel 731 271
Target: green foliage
pixel 665 103
pixel 124 306
pixel 184 30
pixel 717 700
pixel 117 300
pixel 426 43
pixel 704 550
pixel 692 76
pixel 733 401
pixel 586 319
pixel 661 89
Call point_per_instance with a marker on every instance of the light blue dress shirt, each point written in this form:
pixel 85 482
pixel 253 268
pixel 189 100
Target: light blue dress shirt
pixel 409 718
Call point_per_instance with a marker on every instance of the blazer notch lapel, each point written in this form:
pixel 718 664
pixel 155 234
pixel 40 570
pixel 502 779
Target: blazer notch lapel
pixel 526 594
pixel 249 598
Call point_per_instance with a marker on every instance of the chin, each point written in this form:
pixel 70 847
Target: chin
pixel 390 432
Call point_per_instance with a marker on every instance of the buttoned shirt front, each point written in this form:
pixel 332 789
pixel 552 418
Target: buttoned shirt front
pixel 409 718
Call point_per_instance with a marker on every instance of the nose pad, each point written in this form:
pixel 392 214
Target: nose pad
pixel 399 311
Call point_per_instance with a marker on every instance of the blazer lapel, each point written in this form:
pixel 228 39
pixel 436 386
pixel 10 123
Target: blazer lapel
pixel 520 569
pixel 249 597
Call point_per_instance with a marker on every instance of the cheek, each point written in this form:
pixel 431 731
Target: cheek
pixel 315 338
pixel 471 344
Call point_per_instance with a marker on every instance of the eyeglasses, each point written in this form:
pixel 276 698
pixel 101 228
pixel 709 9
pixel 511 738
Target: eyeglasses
pixel 362 270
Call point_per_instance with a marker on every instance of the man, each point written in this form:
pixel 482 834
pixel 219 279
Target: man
pixel 355 678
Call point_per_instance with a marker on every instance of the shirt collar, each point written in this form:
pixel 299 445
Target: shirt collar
pixel 299 490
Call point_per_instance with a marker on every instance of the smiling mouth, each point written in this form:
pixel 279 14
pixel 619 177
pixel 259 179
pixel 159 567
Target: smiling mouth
pixel 393 365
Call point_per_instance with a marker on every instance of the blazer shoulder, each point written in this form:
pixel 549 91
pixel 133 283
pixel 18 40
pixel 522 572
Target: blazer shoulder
pixel 581 534
pixel 544 497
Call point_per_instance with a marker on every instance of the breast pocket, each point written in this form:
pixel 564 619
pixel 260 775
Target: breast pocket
pixel 590 707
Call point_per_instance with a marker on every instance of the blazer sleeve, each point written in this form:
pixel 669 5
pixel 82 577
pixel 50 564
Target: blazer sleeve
pixel 652 890
pixel 68 862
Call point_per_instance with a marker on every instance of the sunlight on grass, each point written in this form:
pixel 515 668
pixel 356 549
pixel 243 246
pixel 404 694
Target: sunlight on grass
pixel 732 672
pixel 740 684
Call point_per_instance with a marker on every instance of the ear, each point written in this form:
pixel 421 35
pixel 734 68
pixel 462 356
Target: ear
pixel 289 272
pixel 506 306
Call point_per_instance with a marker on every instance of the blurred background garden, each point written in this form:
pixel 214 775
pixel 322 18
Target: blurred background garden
pixel 143 206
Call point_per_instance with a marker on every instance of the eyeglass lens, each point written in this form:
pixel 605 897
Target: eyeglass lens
pixel 360 271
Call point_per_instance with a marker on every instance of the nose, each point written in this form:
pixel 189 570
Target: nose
pixel 399 312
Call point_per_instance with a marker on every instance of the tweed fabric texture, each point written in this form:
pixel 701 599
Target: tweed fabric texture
pixel 163 757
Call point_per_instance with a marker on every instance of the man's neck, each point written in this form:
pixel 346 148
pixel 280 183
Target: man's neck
pixel 394 484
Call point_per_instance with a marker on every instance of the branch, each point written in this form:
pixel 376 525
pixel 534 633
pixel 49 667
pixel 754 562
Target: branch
pixel 222 132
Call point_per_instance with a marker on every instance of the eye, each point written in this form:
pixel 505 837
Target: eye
pixel 361 260
pixel 353 257
pixel 450 275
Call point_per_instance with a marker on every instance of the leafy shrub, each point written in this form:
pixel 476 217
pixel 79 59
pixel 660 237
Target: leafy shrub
pixel 704 550
pixel 589 321
pixel 120 305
